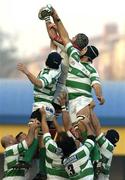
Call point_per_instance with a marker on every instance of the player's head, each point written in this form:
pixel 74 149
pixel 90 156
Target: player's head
pixel 67 144
pixel 8 140
pixel 113 136
pixel 80 41
pixel 36 115
pixel 91 53
pixel 21 136
pixel 53 60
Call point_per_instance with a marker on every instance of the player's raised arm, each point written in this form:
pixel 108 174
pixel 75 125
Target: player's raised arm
pixel 44 125
pixel 60 27
pixel 21 67
pixel 98 91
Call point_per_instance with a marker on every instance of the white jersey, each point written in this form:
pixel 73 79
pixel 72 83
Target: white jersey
pixel 11 156
pixel 78 165
pixel 55 169
pixel 44 96
pixel 49 79
pixel 81 75
pixel 106 150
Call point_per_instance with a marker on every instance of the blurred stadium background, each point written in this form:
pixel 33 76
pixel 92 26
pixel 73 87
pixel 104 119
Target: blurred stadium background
pixel 16 93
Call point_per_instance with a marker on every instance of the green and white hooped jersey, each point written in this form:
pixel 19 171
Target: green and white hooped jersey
pixel 81 76
pixel 49 79
pixel 54 165
pixel 11 156
pixel 78 165
pixel 106 150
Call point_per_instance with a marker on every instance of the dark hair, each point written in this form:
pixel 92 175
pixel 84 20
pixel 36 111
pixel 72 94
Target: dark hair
pixel 53 60
pixel 92 137
pixel 18 135
pixel 36 114
pixel 67 144
pixel 81 41
pixel 56 106
pixel 113 136
pixel 92 52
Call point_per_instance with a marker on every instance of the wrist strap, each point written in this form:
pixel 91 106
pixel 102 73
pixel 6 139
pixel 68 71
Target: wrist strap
pixel 64 108
pixel 80 117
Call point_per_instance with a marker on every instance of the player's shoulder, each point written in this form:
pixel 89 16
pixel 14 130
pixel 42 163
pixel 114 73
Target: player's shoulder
pixel 90 67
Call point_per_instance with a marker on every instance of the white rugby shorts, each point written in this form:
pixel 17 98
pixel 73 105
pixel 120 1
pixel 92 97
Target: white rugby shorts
pixel 76 105
pixel 50 111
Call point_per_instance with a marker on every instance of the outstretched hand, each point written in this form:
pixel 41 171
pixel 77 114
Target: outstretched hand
pixel 21 67
pixel 53 11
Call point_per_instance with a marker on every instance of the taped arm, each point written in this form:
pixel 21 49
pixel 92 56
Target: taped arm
pixel 61 28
